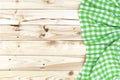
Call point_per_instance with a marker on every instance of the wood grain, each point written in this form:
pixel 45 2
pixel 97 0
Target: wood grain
pixel 42 48
pixel 37 63
pixel 43 32
pixel 38 75
pixel 39 4
pixel 39 17
pixel 40 40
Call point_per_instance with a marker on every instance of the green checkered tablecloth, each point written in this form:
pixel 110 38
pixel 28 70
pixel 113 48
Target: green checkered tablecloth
pixel 100 24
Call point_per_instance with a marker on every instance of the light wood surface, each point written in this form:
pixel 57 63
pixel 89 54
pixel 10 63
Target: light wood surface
pixel 40 40
pixel 42 48
pixel 43 32
pixel 38 75
pixel 39 4
pixel 37 63
pixel 39 17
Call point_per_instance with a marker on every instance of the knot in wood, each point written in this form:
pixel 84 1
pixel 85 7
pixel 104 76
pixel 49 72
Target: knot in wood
pixel 49 1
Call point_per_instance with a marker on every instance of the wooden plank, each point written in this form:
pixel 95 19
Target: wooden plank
pixel 39 4
pixel 70 14
pixel 38 75
pixel 31 14
pixel 42 21
pixel 37 63
pixel 43 32
pixel 42 48
pixel 39 17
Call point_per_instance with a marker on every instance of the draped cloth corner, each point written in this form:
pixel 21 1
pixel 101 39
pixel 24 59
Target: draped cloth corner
pixel 100 25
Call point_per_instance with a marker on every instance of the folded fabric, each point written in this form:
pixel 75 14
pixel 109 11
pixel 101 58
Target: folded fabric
pixel 100 25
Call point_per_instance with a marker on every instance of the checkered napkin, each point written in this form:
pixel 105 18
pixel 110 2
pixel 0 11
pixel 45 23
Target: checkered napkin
pixel 100 24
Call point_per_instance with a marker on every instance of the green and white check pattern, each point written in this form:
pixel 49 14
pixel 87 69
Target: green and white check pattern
pixel 100 24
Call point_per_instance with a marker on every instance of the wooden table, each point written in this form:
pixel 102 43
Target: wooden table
pixel 40 40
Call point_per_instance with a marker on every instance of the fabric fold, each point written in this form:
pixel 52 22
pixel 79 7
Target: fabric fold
pixel 100 25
